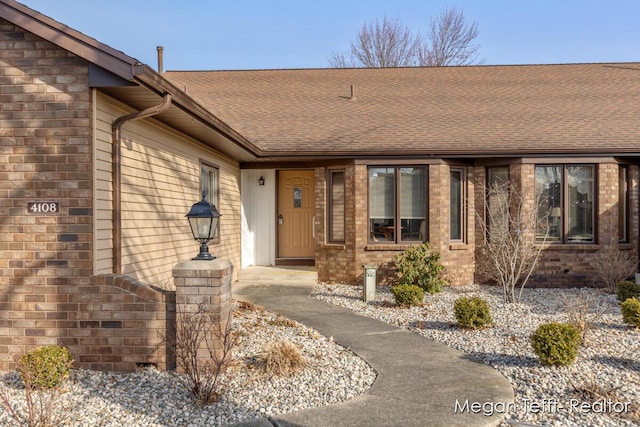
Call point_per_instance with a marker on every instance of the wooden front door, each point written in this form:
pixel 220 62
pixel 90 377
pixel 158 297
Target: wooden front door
pixel 296 206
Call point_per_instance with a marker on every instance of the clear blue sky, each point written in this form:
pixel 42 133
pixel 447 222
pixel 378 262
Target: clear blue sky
pixel 256 34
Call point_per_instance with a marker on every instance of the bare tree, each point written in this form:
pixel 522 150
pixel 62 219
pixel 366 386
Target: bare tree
pixel 450 41
pixel 388 43
pixel 510 253
pixel 383 44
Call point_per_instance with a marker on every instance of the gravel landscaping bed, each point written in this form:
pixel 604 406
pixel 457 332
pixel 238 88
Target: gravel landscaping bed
pixel 149 397
pixel 609 363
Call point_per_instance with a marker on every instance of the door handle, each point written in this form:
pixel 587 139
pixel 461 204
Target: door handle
pixel 280 219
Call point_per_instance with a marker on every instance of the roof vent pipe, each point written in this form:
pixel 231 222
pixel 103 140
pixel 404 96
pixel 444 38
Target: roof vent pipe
pixel 160 59
pixel 353 93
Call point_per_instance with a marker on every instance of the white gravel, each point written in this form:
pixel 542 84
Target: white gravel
pixel 544 395
pixel 150 397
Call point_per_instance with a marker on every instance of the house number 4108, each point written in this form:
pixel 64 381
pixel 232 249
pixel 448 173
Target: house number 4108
pixel 43 207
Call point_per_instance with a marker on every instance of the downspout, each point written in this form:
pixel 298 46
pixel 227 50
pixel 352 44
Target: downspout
pixel 116 154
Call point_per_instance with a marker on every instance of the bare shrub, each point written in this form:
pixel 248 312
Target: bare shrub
pixel 279 320
pixel 584 310
pixel 247 305
pixel 612 267
pixel 282 358
pixel 593 391
pixel 197 333
pixel 509 253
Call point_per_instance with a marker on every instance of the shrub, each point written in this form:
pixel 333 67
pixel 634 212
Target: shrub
pixel 556 343
pixel 200 333
pixel 45 367
pixel 472 312
pixel 626 290
pixel 631 312
pixel 419 266
pixel 612 267
pixel 282 358
pixel 583 311
pixel 42 370
pixel 407 295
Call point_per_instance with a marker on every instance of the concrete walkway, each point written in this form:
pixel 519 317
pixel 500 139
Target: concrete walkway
pixel 419 381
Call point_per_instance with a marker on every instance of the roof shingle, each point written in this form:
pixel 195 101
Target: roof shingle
pixel 572 108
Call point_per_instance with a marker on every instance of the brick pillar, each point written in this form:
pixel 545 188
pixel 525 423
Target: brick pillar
pixel 204 285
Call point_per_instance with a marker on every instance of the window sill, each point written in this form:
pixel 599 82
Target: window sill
pixel 458 247
pixel 557 246
pixel 387 247
pixel 340 246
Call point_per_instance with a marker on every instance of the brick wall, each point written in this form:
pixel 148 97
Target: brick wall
pixel 117 323
pixel 343 262
pixel 560 264
pixel 45 155
pixel 457 256
pixel 571 265
pixel 335 261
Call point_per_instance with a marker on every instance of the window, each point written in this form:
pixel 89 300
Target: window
pixel 566 208
pixel 456 204
pixel 336 199
pixel 497 199
pixel 623 204
pixel 397 192
pixel 209 187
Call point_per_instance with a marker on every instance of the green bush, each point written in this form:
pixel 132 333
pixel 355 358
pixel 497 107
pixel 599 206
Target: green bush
pixel 556 343
pixel 631 312
pixel 45 367
pixel 407 295
pixel 627 290
pixel 472 312
pixel 419 266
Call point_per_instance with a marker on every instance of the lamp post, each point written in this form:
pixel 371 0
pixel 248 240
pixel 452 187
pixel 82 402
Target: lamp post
pixel 203 219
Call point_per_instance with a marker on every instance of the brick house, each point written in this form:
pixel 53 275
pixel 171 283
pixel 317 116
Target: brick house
pixel 402 155
pixel 335 167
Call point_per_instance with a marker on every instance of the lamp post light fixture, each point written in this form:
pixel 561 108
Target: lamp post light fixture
pixel 203 219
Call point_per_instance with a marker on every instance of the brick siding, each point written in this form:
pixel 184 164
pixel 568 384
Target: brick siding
pixel 561 265
pixel 343 262
pixel 117 323
pixel 46 155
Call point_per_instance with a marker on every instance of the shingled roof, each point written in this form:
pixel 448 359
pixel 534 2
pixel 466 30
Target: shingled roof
pixel 468 111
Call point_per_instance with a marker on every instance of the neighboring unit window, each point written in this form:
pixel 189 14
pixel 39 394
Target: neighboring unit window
pixel 397 192
pixel 497 199
pixel 336 206
pixel 549 201
pixel 456 204
pixel 209 186
pixel 623 204
pixel 566 211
